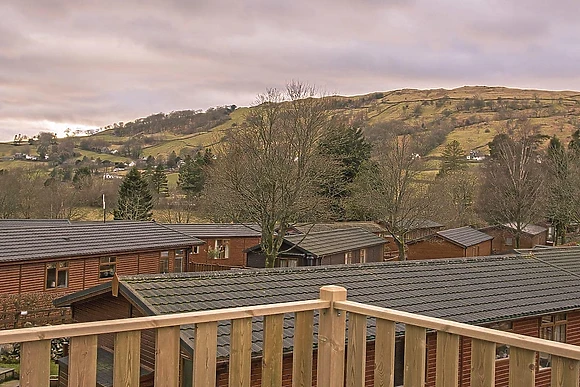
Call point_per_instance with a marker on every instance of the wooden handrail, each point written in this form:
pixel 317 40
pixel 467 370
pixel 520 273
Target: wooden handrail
pixel 152 322
pixel 461 329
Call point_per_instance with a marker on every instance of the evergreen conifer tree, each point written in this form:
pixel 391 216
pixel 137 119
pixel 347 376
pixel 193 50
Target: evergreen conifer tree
pixel 135 201
pixel 453 158
pixel 158 181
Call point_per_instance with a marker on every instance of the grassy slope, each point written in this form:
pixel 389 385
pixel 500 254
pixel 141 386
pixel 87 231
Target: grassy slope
pixel 555 111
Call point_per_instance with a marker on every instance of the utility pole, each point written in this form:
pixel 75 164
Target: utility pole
pixel 104 212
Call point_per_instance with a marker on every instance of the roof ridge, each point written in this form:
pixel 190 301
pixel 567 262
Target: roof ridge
pixel 177 231
pixel 337 268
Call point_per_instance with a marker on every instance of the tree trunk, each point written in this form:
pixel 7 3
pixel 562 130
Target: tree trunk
pixel 401 247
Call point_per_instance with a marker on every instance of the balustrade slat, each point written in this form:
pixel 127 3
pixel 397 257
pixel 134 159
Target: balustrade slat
pixel 302 352
pixel 522 367
pixel 82 370
pixel 35 364
pixel 126 367
pixel 565 372
pixel 240 352
pixel 204 354
pixel 385 353
pixel 482 363
pixel 273 347
pixel 415 352
pixel 331 338
pixel 167 357
pixel 356 353
pixel 447 361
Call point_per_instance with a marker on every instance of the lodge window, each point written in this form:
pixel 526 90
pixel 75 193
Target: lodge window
pixel 502 351
pixel 56 275
pixel 363 255
pixel 178 261
pixel 288 262
pixel 348 257
pixel 508 241
pixel 222 247
pixel 107 267
pixel 195 250
pixel 164 262
pixel 164 265
pixel 553 328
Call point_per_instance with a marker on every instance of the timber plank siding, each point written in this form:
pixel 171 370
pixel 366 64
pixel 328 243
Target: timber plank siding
pixel 24 284
pixel 236 254
pixel 504 239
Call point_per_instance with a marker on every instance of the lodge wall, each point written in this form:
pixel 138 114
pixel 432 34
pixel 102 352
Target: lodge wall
pixel 502 242
pixel 435 248
pixel 237 256
pixel 24 283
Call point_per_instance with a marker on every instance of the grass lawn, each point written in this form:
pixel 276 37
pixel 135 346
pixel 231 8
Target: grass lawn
pixel 172 180
pixel 53 367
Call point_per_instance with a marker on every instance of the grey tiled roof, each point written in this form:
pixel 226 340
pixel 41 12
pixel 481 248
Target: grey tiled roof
pixel 224 230
pixel 424 223
pixel 532 229
pixel 334 241
pixel 475 290
pixel 368 226
pixel 567 258
pixel 464 236
pixel 10 223
pixel 23 244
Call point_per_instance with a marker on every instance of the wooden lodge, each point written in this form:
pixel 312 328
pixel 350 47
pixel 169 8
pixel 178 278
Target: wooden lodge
pixel 43 260
pixel 451 243
pixel 332 247
pixel 504 237
pixel 224 243
pixel 467 305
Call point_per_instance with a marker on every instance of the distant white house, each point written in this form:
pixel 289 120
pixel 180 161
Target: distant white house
pixel 475 155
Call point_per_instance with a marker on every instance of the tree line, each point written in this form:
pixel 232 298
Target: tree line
pixel 293 161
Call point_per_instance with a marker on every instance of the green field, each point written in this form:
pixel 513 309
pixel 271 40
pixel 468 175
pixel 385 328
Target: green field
pixel 473 125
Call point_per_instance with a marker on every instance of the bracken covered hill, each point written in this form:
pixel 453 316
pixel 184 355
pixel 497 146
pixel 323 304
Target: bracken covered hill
pixel 473 115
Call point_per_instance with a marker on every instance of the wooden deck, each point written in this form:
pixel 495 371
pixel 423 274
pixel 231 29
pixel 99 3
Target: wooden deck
pixel 332 367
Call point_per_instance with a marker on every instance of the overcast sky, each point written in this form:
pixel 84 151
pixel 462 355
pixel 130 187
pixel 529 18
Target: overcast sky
pixel 76 63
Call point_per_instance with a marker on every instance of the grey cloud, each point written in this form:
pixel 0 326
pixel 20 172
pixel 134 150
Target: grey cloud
pixel 97 62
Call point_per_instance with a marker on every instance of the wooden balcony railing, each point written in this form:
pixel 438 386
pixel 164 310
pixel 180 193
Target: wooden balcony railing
pixel 335 359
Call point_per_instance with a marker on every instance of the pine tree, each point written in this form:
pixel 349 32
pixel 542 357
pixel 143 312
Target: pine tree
pixel 135 201
pixel 158 181
pixel 191 174
pixel 453 158
pixel 347 146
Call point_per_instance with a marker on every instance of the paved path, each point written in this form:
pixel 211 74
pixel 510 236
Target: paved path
pixel 10 383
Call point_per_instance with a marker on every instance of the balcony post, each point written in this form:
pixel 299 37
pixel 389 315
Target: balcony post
pixel 331 339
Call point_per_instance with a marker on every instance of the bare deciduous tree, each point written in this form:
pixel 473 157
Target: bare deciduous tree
pixel 270 169
pixel 389 189
pixel 456 192
pixel 513 185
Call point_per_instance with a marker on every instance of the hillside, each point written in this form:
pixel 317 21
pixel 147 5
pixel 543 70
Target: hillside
pixel 472 115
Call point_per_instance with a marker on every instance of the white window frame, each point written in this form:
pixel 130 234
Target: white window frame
pixel 363 255
pixel 178 260
pixel 61 269
pixel 223 248
pixel 108 266
pixel 348 257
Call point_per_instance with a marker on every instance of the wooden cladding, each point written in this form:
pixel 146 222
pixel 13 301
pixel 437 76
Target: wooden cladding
pixel 337 365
